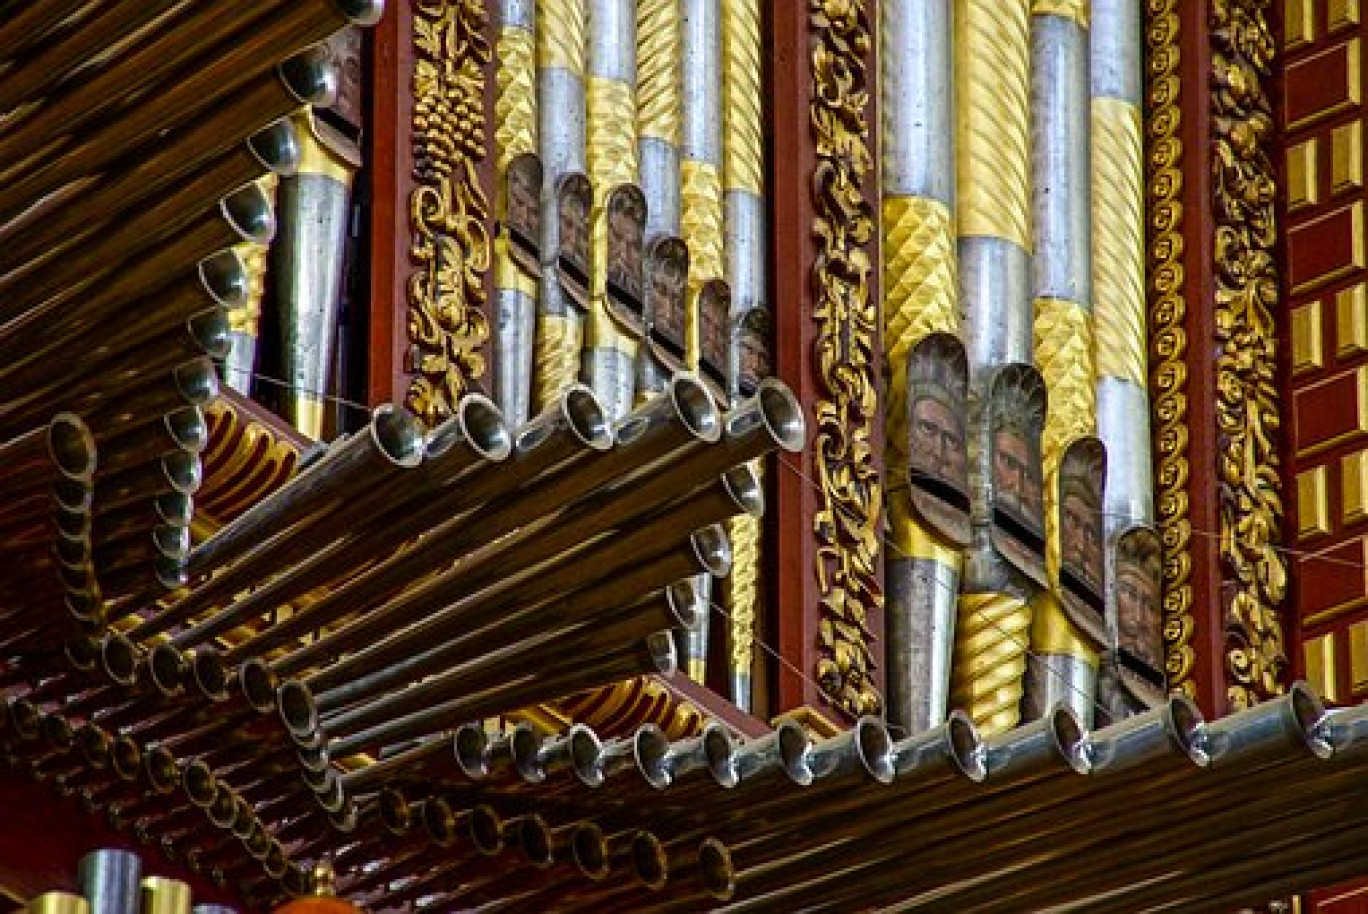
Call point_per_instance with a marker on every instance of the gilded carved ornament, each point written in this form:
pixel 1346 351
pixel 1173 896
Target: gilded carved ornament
pixel 849 517
pixel 448 208
pixel 1247 410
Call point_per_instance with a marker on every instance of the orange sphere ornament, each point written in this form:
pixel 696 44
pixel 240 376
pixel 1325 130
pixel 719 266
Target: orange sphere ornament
pixel 322 901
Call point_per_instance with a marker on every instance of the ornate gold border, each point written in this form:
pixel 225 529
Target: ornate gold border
pixel 848 522
pixel 1168 336
pixel 1247 408
pixel 448 208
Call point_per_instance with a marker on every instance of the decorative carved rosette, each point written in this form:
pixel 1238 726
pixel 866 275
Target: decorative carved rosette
pixel 448 208
pixel 1247 412
pixel 849 518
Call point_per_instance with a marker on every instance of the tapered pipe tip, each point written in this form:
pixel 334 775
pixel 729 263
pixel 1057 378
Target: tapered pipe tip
pixel 649 862
pixel 72 447
pixel 713 550
pixel 258 684
pixel 211 673
pixel 187 426
pixel 364 13
pixel 162 771
pixel 682 597
pixel 715 864
pixel 126 758
pixel 211 332
pixel 477 421
pixel 199 783
pixel 486 830
pixel 651 747
pixel 966 746
pixel 298 711
pixel 197 381
pixel 525 744
pixel 778 410
pixel 471 745
pixel 248 211
pixel 277 147
pixel 119 656
pixel 173 542
pixel 170 572
pixel 399 435
pixel 589 850
pixel 311 77
pixel 534 837
pixel 175 508
pixel 224 276
pixel 183 471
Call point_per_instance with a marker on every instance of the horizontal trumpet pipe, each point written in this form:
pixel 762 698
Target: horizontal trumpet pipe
pixel 657 656
pixel 29 26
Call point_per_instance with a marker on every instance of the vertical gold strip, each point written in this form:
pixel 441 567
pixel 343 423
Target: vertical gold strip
pixel 659 87
pixel 560 35
pixel 1319 654
pixel 515 99
pixel 1118 241
pixel 701 225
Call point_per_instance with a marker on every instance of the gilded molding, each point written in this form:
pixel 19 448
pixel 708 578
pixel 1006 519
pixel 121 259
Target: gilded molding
pixel 1247 409
pixel 244 461
pixel 619 709
pixel 1168 336
pixel 849 518
pixel 448 208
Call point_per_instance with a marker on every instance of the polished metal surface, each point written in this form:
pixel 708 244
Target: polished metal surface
pixel 995 281
pixel 561 129
pixel 239 368
pixel 309 255
pixel 747 239
pixel 702 54
pixel 516 14
pixel 109 880
pixel 920 611
pixel 1123 424
pixel 515 325
pixel 1117 36
pixel 610 30
pixel 1062 172
pixel 917 57
pixel 1061 679
pixel 659 164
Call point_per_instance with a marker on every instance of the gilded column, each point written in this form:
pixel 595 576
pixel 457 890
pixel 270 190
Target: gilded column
pixel 1064 662
pixel 743 149
pixel 1118 212
pixel 515 134
pixel 609 357
pixel 922 568
pixel 561 137
pixel 993 210
pixel 660 98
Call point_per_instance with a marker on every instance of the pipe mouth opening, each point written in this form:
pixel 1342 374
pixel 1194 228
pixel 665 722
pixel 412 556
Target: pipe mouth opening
pixel 526 745
pixel 715 863
pixel 317 777
pixel 171 573
pixel 651 748
pixel 783 415
pixel 874 744
pixel 396 812
pixel 25 718
pixel 713 549
pixel 685 606
pixel 175 508
pixel 224 276
pixel 276 146
pixel 664 657
pixel 696 407
pixel 73 553
pixel 587 417
pixel 223 810
pixel 649 861
pixel 1187 729
pixel 347 821
pixel 187 426
pixel 586 755
pixel 534 836
pixel 244 818
pixel 332 796
pixel 168 668
pixel 211 673
pixel 162 771
pixel 439 822
pixel 94 744
pixel 198 780
pixel 795 748
pixel 126 758
pixel 746 489
pixel 57 731
pixel 248 211
pixel 364 13
pixel 486 831
pixel 120 659
pixel 1071 738
pixel 297 708
pixel 72 446
pixel 73 496
pixel 172 542
pixel 258 684
pixel 720 753
pixel 589 850
pixel 83 652
pixel 211 332
pixel 71 525
pixel 276 864
pixel 183 471
pixel 471 745
pixel 259 843
pixel 398 434
pixel 311 77
pixel 1309 717
pixel 966 746
pixel 479 422
pixel 197 381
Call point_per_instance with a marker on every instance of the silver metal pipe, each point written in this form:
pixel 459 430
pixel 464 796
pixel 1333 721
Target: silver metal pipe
pixel 109 880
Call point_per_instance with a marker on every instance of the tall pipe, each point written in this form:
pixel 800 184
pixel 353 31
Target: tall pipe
pixel 309 254
pixel 922 569
pixel 993 209
pixel 109 880
pixel 609 356
pixel 516 271
pixel 1064 662
pixel 561 117
pixel 744 210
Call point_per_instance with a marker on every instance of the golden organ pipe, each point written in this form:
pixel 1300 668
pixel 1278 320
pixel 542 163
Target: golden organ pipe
pixel 993 210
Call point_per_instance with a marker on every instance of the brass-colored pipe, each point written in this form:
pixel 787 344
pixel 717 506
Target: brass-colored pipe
pixel 58 903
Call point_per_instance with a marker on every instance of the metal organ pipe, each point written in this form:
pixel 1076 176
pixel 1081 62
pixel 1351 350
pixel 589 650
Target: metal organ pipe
pixel 993 209
pixel 609 357
pixel 1064 663
pixel 920 297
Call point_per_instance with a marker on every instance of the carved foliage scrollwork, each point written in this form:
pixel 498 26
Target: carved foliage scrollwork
pixel 1168 336
pixel 848 521
pixel 1247 411
pixel 448 207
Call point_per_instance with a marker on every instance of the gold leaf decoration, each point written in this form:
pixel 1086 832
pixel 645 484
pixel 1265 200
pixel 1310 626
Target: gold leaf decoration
pixel 448 208
pixel 849 517
pixel 1247 409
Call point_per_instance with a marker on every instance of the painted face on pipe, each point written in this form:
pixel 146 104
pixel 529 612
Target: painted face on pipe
pixel 938 440
pixel 1137 610
pixel 1016 474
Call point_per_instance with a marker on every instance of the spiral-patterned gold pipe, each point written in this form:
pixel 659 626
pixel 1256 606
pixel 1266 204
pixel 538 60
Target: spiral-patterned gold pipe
pixel 990 659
